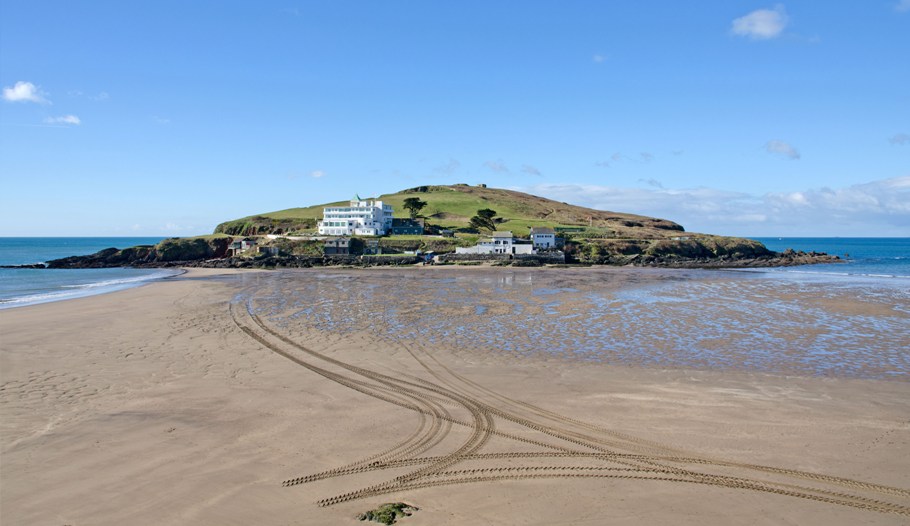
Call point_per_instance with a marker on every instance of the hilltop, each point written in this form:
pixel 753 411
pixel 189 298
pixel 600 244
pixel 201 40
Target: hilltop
pixel 451 207
pixel 591 236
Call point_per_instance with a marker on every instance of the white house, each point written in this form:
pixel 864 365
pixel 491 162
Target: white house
pixel 543 237
pixel 238 247
pixel 499 243
pixel 361 218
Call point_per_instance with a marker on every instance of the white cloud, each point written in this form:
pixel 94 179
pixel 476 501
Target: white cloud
pixel 101 96
pixel 900 139
pixel 497 166
pixel 176 228
pixel 598 58
pixel 316 174
pixel 652 182
pixel 902 6
pixel 877 208
pixel 448 168
pixel 782 148
pixel 530 170
pixel 25 92
pixel 761 24
pixel 64 119
pixel 161 120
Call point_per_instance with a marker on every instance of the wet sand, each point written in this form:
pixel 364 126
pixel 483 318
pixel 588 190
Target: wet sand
pixel 193 400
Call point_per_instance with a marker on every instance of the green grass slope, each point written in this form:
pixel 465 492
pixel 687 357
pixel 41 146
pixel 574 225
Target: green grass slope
pixel 452 206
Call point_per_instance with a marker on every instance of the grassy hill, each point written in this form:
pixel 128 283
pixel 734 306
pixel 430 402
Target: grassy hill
pixel 452 206
pixel 590 236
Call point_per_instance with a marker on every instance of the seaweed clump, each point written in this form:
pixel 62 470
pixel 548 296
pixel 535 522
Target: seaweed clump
pixel 388 513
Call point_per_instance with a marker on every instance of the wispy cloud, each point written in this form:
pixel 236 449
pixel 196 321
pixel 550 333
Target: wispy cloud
pixel 160 120
pixel 64 119
pixel 761 24
pixel 598 58
pixel 783 149
pixel 316 174
pixel 449 167
pixel 876 208
pixel 497 166
pixel 900 139
pixel 642 157
pixel 178 228
pixel 902 6
pixel 652 182
pixel 25 92
pixel 101 96
pixel 530 170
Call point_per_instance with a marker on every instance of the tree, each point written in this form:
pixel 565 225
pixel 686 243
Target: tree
pixel 484 219
pixel 414 205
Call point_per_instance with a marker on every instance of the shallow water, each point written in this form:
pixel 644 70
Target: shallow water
pixel 641 317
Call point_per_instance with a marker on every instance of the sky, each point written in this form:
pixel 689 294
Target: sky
pixel 165 118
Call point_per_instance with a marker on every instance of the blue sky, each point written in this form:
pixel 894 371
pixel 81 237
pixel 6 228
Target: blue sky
pixel 730 117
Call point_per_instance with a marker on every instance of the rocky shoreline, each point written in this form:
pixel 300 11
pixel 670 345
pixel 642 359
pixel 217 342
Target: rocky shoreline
pixel 148 257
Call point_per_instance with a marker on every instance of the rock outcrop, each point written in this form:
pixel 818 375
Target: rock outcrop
pixel 167 251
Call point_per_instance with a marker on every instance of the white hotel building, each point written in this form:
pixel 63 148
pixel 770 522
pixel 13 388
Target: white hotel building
pixel 361 218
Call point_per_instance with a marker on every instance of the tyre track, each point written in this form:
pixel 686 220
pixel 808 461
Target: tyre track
pixel 651 460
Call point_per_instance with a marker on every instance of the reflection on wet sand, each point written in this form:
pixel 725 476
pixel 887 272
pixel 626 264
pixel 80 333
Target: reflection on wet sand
pixel 690 319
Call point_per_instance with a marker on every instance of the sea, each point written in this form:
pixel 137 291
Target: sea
pixel 21 287
pixel 862 257
pixel 883 260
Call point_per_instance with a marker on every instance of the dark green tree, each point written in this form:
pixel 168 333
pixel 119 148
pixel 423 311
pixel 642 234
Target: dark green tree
pixel 484 220
pixel 414 205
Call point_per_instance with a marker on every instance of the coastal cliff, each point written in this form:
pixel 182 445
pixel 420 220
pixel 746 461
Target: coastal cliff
pixel 710 252
pixel 164 253
pixel 588 237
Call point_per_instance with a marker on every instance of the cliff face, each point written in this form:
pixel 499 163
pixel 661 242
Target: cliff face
pixel 591 236
pixel 624 251
pixel 695 252
pixel 169 250
pixel 262 225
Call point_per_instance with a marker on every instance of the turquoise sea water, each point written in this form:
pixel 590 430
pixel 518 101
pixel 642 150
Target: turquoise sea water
pixel 863 257
pixel 19 287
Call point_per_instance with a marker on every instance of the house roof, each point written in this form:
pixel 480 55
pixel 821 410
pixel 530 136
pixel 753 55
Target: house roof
pixel 542 230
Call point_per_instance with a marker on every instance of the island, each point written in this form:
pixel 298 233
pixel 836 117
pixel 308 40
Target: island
pixel 448 224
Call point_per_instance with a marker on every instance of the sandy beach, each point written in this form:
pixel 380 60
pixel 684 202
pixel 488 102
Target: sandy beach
pixel 307 397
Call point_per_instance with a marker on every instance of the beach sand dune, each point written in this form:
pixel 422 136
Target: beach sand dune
pixel 206 400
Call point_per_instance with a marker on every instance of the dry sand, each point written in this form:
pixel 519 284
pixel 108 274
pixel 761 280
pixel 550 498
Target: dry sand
pixel 169 404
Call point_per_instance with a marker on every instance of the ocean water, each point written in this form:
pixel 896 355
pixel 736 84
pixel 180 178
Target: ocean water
pixel 20 287
pixel 887 257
